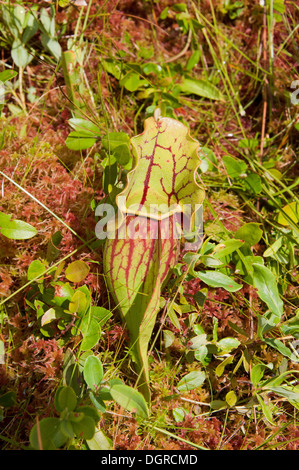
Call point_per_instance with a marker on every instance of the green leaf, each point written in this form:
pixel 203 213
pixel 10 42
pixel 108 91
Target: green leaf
pixel 201 354
pixel 91 332
pixel 101 314
pixel 85 126
pixel 272 249
pixel 217 279
pixel 201 88
pixel 235 168
pixel 67 428
pixel 93 372
pixel 36 268
pixel 282 348
pixel 78 302
pixel 31 28
pixel 66 399
pixel 15 229
pixel 208 160
pixel 265 283
pixel 220 368
pixel 231 398
pixel 84 136
pixel 7 75
pixel 265 409
pixel 291 393
pixel 9 398
pixel 112 140
pixel 100 441
pixel 132 81
pixel 130 399
pixel 193 60
pixel 226 345
pixel 168 337
pixel 178 414
pixel 49 431
pixel 289 212
pixel 253 183
pixel 77 271
pixel 19 54
pixel 256 374
pixel 19 17
pixel 191 381
pixel 79 140
pixel 85 428
pixel 48 317
pixel 227 247
pixel 250 233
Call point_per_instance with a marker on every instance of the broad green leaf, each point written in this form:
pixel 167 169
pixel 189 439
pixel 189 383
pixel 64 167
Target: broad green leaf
pixel 226 345
pixel 201 88
pixel 132 81
pixel 85 126
pixel 85 428
pixel 19 17
pixel 208 160
pixel 7 75
pixel 191 381
pixel 100 441
pixel 48 316
pixel 114 139
pixel 66 428
pixel 46 21
pixel 66 398
pixel 178 414
pixel 226 248
pixel 20 55
pixel 235 168
pixel 78 303
pixel 218 279
pixel 265 409
pixel 36 268
pixel 256 374
pixel 265 283
pixel 282 348
pixel 80 140
pixel 91 332
pixel 93 372
pixel 253 183
pixel 168 337
pixel 250 233
pixel 289 212
pixel 31 27
pixel 291 393
pixel 112 67
pixel 220 368
pixel 77 271
pixel 129 399
pixel 85 133
pixel 47 435
pixel 15 229
pixel 9 398
pixel 231 398
pixel 193 60
pixel 101 314
pixel 201 354
pixel 272 250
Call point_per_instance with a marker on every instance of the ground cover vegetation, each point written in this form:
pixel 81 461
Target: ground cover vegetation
pixel 78 80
